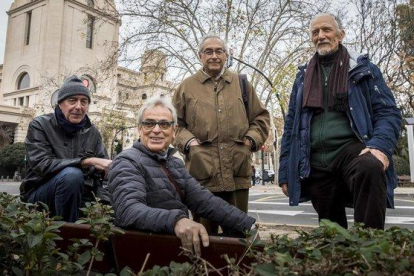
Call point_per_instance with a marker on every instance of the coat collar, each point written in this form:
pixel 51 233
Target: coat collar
pixel 87 125
pixel 138 145
pixel 203 77
pixel 355 60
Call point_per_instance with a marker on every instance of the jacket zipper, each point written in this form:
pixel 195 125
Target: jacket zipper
pixel 352 126
pixel 307 172
pixel 380 94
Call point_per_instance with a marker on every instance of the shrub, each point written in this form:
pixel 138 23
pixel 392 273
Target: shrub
pixel 333 250
pixel 12 157
pixel 402 166
pixel 27 239
pixel 327 250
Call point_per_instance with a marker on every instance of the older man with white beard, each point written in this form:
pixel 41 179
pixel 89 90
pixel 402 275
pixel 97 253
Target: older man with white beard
pixel 340 132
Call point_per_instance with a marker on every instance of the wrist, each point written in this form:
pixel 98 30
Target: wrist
pixel 251 142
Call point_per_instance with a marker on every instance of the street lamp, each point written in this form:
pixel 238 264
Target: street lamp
pixel 409 127
pixel 276 159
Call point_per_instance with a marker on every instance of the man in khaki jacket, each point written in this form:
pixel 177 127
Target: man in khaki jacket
pixel 215 133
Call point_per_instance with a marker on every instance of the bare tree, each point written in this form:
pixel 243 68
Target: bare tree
pixel 382 29
pixel 271 35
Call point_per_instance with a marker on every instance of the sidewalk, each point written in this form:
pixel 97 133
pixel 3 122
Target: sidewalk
pixel 275 189
pixel 266 229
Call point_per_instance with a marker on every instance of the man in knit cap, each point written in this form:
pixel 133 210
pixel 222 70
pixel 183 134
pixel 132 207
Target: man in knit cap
pixel 60 146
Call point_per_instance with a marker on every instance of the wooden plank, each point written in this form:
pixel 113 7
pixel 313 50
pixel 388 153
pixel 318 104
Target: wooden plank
pixel 132 248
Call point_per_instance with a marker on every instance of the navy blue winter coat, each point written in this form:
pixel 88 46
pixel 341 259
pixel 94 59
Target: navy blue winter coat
pixel 144 198
pixel 373 115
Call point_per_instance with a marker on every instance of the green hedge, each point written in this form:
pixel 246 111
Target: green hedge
pixel 402 166
pixel 27 247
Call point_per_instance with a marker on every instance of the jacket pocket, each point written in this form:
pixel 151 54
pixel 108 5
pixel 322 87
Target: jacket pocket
pixel 241 160
pixel 200 164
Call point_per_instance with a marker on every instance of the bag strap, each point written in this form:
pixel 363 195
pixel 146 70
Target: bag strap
pixel 172 180
pixel 243 87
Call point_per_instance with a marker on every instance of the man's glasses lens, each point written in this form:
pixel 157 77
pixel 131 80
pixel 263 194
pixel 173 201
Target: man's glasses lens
pixel 209 52
pixel 162 124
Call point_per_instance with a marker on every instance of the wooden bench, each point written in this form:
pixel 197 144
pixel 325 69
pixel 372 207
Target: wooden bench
pixel 131 249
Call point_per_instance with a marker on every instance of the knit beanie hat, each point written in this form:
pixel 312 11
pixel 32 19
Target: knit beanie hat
pixel 71 87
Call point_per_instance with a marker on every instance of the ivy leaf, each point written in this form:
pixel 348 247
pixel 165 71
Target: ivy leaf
pixel 265 269
pixel 84 257
pixel 339 229
pixel 17 271
pixel 34 240
pixel 52 236
pixel 126 271
pixel 54 226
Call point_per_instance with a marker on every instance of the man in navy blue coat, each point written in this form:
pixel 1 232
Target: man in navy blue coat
pixel 340 132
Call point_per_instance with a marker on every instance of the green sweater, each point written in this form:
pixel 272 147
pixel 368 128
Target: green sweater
pixel 330 130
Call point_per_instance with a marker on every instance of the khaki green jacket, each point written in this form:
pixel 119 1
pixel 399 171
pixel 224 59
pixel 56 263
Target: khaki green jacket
pixel 214 113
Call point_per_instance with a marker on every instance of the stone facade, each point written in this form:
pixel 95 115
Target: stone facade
pixel 49 40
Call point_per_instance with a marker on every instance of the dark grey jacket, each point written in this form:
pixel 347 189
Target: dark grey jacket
pixel 49 150
pixel 144 198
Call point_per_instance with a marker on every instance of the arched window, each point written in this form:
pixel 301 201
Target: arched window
pixel 23 82
pixel 144 96
pixel 90 3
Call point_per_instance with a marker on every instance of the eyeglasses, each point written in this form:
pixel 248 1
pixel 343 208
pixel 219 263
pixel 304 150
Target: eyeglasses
pixel 209 52
pixel 164 125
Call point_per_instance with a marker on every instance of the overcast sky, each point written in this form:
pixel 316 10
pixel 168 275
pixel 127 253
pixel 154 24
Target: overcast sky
pixel 4 6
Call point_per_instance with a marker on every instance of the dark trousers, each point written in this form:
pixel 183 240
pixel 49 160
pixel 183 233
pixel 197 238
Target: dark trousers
pixel 62 194
pixel 238 198
pixel 352 179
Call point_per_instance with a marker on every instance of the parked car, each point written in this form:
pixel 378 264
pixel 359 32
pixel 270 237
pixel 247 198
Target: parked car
pixel 269 176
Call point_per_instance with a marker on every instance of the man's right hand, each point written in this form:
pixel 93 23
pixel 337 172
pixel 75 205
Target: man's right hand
pixel 100 164
pixel 190 233
pixel 284 187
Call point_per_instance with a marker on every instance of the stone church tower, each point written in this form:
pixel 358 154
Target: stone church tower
pixel 49 40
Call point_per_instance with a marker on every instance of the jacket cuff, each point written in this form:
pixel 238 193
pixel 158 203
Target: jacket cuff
pixel 179 216
pixel 182 138
pixel 384 151
pixel 251 134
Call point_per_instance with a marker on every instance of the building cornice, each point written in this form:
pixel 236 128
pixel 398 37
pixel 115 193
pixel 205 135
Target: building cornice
pixel 86 7
pixel 13 110
pixel 21 92
pixel 93 10
pixel 25 6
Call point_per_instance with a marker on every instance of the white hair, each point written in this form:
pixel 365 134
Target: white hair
pixel 214 36
pixel 157 100
pixel 336 19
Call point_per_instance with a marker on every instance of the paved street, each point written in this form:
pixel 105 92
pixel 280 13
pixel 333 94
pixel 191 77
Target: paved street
pixel 10 187
pixel 269 205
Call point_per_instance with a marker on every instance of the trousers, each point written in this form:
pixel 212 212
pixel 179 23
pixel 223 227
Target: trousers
pixel 62 194
pixel 351 180
pixel 239 199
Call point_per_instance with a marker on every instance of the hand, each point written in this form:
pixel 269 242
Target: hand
pixel 284 187
pixel 379 155
pixel 194 143
pixel 189 233
pixel 248 143
pixel 100 164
